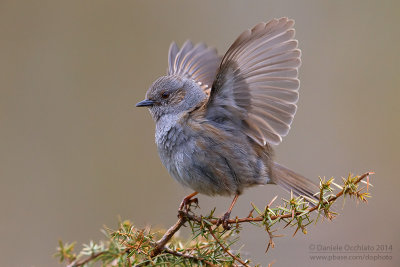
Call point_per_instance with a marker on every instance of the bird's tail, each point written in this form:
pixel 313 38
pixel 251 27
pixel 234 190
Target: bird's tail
pixel 291 181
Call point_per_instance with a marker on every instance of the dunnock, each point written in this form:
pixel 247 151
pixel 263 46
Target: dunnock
pixel 216 118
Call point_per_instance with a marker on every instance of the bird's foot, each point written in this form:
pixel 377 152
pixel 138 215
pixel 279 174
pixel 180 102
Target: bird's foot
pixel 224 220
pixel 187 203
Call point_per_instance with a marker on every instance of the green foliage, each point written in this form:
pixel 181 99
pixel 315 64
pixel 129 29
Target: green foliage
pixel 130 246
pixel 211 244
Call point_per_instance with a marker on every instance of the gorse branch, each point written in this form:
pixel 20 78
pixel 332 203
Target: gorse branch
pixel 211 244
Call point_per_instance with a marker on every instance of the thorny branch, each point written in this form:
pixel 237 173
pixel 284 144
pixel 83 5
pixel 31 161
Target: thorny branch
pixel 192 217
pixel 160 244
pixel 84 261
pixel 183 255
pixel 226 249
pixel 292 215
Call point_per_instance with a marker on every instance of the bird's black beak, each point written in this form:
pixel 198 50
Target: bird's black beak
pixel 145 103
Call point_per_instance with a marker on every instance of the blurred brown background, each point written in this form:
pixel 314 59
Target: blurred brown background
pixel 75 153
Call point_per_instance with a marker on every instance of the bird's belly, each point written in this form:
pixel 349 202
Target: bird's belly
pixel 210 172
pixel 199 176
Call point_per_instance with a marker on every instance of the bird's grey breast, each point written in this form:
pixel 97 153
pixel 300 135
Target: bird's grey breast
pixel 173 142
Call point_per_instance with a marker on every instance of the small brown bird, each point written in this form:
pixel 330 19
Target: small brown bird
pixel 216 118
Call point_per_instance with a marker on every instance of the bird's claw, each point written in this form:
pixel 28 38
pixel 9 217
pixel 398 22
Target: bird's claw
pixel 224 221
pixel 187 202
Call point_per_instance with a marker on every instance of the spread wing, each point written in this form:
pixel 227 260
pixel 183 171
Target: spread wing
pixel 257 82
pixel 198 62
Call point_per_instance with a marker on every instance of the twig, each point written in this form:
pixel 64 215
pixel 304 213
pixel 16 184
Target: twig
pixel 84 261
pixel 160 244
pixel 342 191
pixel 183 255
pixel 226 250
pixel 198 219
pixel 271 243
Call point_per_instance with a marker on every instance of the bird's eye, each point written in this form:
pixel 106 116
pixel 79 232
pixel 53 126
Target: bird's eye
pixel 164 95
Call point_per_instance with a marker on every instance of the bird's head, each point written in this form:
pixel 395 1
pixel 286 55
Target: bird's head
pixel 172 95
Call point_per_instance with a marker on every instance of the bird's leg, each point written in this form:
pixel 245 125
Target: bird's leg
pixel 187 201
pixel 225 218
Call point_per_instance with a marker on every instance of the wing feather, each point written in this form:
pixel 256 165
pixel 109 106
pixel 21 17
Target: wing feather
pixel 258 81
pixel 197 62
